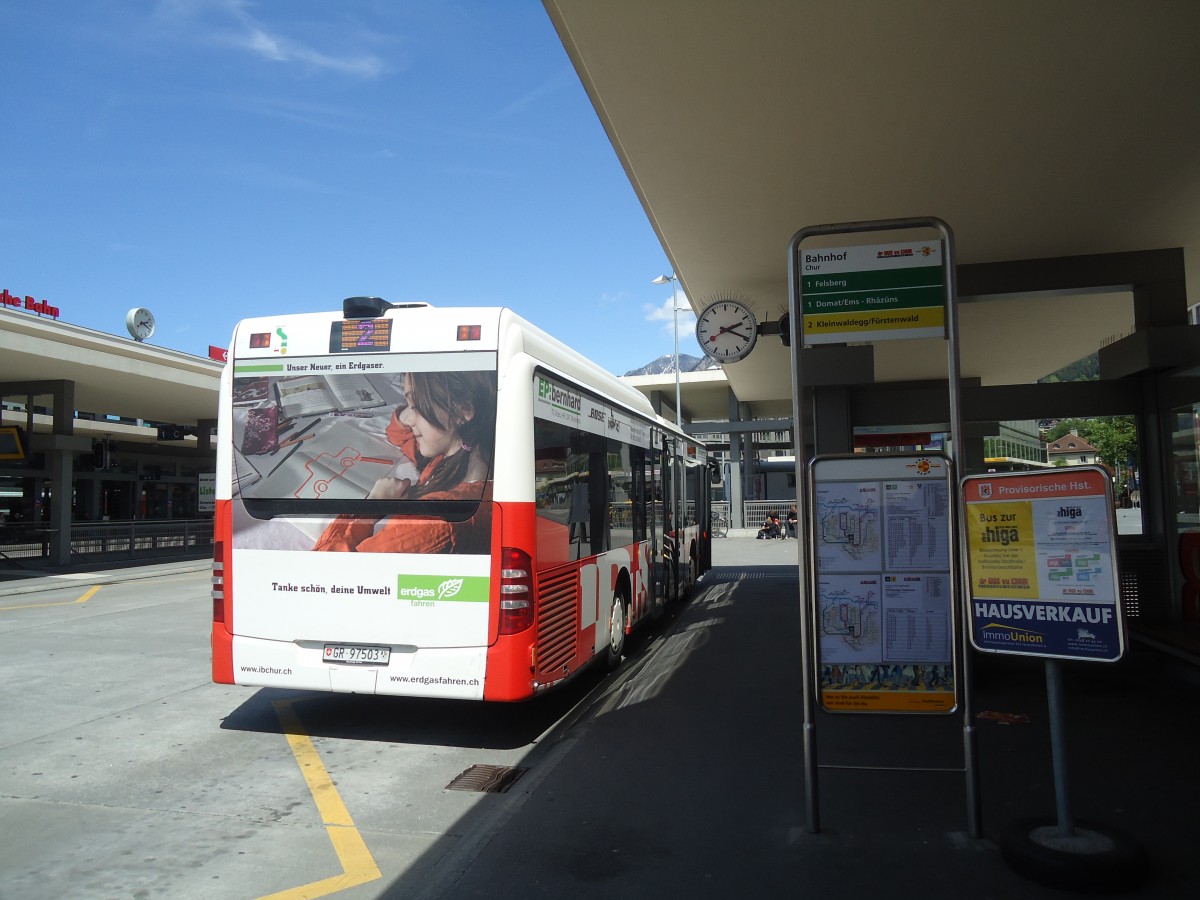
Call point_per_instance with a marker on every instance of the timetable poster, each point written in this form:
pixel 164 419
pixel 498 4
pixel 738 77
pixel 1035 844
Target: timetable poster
pixel 1042 562
pixel 884 587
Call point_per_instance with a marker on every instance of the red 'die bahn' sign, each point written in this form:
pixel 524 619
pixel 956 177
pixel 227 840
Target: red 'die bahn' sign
pixel 28 303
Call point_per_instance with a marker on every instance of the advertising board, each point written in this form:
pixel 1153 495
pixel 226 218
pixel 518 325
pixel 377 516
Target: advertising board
pixel 1041 553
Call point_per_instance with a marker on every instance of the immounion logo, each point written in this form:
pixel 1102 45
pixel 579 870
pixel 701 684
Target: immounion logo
pixel 1009 635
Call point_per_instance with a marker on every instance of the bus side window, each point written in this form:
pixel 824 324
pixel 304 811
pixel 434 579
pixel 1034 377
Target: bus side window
pixel 598 499
pixel 679 489
pixel 639 493
pixel 697 485
pixel 621 493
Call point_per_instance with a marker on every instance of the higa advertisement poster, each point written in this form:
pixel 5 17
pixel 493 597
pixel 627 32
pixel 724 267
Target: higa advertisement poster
pixel 1042 562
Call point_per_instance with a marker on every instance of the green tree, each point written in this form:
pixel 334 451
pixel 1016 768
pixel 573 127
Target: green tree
pixel 1066 426
pixel 1115 440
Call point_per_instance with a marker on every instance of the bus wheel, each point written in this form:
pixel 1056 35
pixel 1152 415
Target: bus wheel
pixel 616 631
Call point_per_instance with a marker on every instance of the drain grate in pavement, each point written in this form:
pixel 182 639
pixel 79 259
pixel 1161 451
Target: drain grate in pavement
pixel 487 779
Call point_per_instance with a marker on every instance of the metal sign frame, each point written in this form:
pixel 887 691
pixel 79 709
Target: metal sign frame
pixel 804 560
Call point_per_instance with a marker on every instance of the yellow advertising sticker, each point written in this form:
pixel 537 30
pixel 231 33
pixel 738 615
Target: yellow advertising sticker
pixel 876 701
pixel 1000 546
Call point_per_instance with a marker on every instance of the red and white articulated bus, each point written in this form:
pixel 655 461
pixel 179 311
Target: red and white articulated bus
pixel 439 503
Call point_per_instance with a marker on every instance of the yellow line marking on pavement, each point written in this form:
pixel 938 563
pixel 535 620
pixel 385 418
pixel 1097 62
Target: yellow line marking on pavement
pixel 358 866
pixel 87 595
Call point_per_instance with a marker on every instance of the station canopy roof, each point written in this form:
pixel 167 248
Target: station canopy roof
pixel 1034 129
pixel 112 375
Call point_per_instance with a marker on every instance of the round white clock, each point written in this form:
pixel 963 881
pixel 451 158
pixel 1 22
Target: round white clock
pixel 140 323
pixel 727 331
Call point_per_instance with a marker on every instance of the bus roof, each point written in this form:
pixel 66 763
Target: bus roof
pixel 430 329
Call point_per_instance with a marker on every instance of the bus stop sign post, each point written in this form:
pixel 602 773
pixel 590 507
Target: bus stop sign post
pixel 1043 581
pixel 869 293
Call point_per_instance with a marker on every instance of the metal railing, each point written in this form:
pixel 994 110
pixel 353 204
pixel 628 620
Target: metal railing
pixel 139 538
pixel 753 511
pixel 18 542
pixel 109 540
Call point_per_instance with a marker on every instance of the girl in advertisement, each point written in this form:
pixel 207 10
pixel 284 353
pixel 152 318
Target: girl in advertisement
pixel 447 426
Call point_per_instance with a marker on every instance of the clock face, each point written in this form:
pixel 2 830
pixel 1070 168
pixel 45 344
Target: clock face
pixel 727 331
pixel 140 323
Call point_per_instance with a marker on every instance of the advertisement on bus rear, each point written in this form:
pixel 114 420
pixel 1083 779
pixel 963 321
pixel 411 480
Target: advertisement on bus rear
pixel 385 427
pixel 316 441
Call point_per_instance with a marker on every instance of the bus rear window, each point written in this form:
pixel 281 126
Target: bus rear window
pixel 302 432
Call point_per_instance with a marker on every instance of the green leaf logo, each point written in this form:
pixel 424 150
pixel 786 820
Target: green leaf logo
pixel 449 588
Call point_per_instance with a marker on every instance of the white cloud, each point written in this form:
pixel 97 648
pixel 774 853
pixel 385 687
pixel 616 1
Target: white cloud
pixel 281 49
pixel 229 23
pixel 664 313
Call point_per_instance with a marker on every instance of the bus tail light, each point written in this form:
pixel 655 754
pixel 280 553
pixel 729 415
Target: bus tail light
pixel 218 582
pixel 516 590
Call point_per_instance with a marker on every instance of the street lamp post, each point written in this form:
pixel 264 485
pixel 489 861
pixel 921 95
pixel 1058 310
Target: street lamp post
pixel 674 279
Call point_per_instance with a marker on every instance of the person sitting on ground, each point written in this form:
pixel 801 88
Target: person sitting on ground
pixel 792 517
pixel 770 528
pixel 777 526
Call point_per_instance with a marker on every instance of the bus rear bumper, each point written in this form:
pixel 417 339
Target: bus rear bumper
pixel 442 672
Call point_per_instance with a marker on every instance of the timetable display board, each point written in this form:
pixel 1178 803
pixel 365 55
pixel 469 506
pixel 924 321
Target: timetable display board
pixel 884 587
pixel 1041 553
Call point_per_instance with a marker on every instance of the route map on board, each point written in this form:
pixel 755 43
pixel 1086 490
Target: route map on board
pixel 884 585
pixel 848 528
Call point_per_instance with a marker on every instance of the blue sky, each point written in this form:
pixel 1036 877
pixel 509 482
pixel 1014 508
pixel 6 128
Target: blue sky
pixel 214 159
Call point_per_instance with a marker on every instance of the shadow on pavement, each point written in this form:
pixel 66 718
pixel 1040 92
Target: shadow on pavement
pixel 686 778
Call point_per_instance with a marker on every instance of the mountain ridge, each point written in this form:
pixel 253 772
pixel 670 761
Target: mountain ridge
pixel 665 365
